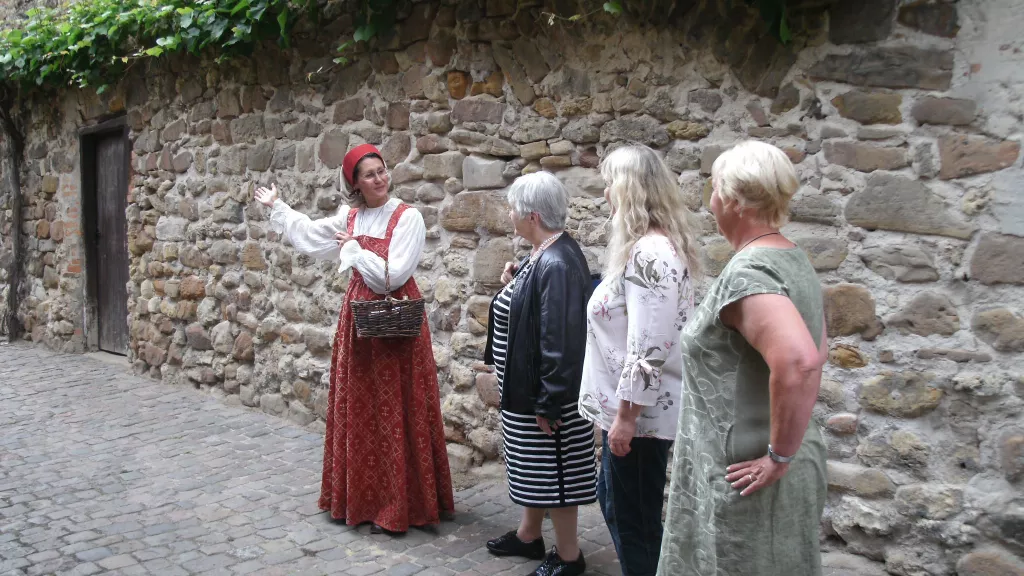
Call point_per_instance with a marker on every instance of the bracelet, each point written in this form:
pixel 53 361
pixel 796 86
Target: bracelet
pixel 776 458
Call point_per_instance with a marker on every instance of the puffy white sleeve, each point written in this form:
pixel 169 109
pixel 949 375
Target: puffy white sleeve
pixel 652 302
pixel 311 237
pixel 404 254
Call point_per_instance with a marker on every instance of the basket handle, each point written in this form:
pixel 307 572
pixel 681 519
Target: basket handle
pixel 387 281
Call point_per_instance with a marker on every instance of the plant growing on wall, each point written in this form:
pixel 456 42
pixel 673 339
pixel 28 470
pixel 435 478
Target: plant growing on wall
pixel 92 42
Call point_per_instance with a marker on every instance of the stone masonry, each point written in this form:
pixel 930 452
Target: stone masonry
pixel 902 118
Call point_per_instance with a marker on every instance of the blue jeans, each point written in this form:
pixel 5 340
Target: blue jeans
pixel 630 491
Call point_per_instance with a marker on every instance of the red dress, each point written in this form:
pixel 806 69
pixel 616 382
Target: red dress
pixel 385 459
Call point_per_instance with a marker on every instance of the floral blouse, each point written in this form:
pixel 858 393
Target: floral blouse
pixel 633 328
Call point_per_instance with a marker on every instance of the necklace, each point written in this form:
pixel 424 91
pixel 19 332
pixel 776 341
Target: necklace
pixel 367 226
pixel 544 245
pixel 757 238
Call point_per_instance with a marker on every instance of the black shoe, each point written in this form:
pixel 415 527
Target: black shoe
pixel 553 565
pixel 510 545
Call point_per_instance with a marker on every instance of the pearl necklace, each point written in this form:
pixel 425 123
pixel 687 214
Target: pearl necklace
pixel 545 245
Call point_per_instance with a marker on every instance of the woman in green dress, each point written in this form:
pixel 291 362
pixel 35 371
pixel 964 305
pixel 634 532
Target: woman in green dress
pixel 748 479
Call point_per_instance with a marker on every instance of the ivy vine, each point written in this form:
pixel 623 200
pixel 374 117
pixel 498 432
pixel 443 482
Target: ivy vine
pixel 91 42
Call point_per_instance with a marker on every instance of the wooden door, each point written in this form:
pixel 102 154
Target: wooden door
pixel 111 237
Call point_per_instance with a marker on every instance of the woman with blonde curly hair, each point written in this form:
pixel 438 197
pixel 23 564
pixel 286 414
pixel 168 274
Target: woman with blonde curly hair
pixel 632 373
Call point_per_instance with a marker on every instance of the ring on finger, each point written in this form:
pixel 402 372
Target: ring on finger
pixel 751 478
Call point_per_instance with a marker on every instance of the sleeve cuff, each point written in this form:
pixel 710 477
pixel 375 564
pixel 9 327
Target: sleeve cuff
pixel 349 253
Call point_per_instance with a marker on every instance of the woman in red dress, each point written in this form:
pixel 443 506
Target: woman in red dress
pixel 385 459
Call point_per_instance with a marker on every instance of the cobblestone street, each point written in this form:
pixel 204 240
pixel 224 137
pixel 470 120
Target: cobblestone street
pixel 102 472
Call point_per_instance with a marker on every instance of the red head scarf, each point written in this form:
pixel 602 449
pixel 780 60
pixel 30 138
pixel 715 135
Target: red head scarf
pixel 348 167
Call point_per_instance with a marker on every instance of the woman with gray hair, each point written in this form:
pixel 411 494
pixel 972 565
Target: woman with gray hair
pixel 536 340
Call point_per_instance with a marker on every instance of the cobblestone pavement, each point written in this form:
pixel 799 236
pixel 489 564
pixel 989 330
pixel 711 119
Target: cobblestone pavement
pixel 102 472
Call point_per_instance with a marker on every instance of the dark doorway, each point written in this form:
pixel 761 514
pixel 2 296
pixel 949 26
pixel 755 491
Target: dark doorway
pixel 105 181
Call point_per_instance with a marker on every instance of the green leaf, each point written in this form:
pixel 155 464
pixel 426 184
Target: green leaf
pixel 282 21
pixel 613 7
pixel 154 51
pixel 784 33
pixel 364 33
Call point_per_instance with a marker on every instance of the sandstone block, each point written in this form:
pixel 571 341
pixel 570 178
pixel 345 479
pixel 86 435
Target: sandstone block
pixel 1000 328
pixel 545 107
pixel 192 288
pixel 430 192
pixel 843 423
pixel 581 131
pixel 962 155
pixel 439 122
pixel 474 142
pixel 865 157
pixel 901 394
pixel 998 259
pixel 242 350
pixel 683 130
pixel 928 313
pixel 478 110
pixel 481 173
pixel 642 129
pixel 930 501
pixel 960 356
pixel 849 310
pixel 534 150
pixel 471 210
pixel 460 457
pixel 433 144
pixel 273 404
pixel 514 74
pixel 171 229
pixel 396 148
pixel 831 393
pixel 489 261
pixel 952 111
pixel 717 253
pixel 299 414
pixel 248 129
pixel 224 252
pixel 333 148
pixel 810 205
pixel 859 480
pixel 892 202
pixel 487 388
pixel 534 129
pixel 846 356
pixel 859 22
pixel 350 110
pixel 901 262
pixel 870 107
pixel 896 67
pixel 824 253
pixel 398 116
pixel 197 337
pixel 555 162
pixel 406 172
pixel 443 166
pixel 1011 454
pixel 935 19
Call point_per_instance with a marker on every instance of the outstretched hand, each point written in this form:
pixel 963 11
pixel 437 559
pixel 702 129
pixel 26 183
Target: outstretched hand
pixel 267 196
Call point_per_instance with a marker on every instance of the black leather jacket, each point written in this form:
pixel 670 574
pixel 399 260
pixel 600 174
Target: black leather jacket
pixel 547 333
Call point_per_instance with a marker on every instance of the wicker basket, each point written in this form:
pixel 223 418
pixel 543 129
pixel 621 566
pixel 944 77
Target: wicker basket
pixel 390 317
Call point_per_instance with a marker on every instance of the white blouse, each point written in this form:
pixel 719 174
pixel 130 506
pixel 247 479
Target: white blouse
pixel 316 238
pixel 633 328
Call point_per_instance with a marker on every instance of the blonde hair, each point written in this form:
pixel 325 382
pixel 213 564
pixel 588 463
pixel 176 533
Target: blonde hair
pixel 757 176
pixel 644 194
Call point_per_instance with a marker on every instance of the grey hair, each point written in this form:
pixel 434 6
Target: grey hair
pixel 543 193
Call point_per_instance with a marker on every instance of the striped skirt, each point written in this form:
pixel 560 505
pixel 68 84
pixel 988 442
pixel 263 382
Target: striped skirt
pixel 550 471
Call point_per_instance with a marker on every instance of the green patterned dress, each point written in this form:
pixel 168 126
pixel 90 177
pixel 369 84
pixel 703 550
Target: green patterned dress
pixel 710 529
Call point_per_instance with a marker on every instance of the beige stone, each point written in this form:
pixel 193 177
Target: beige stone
pixel 907 394
pixel 865 157
pixel 1000 328
pixel 846 356
pixel 469 211
pixel 843 423
pixel 893 202
pixel 900 262
pixel 849 310
pixel 963 155
pixel 685 130
pixel 998 259
pixel 931 501
pixel 928 313
pixel 990 561
pixel 870 107
pixel 487 388
pixel 831 393
pixel 533 150
pixel 489 262
pixel 859 480
pixel 952 111
pixel 824 253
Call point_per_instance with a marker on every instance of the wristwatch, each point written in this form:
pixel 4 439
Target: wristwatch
pixel 775 457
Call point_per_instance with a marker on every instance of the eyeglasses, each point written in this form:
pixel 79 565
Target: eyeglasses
pixel 381 174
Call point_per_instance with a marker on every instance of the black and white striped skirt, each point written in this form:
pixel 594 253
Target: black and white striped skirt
pixel 550 471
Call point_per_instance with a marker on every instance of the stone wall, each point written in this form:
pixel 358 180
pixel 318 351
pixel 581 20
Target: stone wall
pixel 903 119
